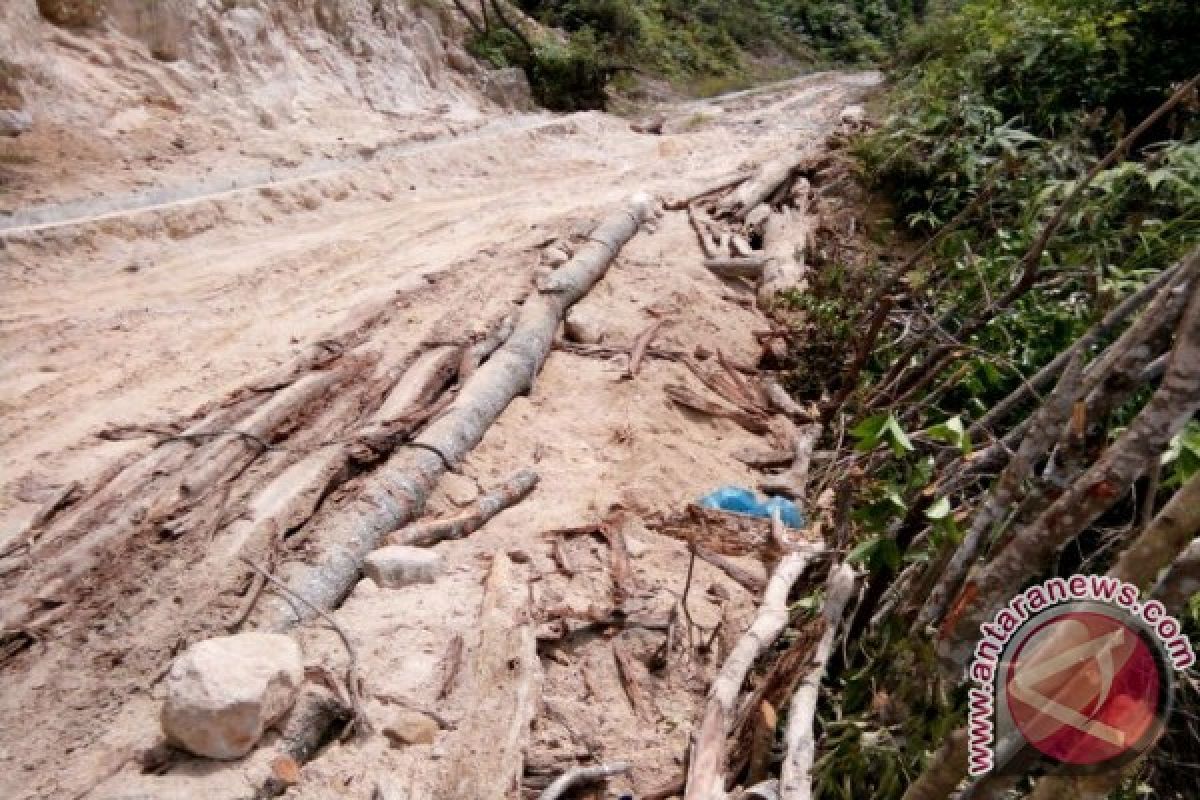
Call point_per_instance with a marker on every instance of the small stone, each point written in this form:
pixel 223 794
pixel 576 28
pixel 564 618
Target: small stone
pixel 583 327
pixel 519 556
pixel 702 353
pixel 555 256
pixel 398 566
pixel 636 547
pixel 459 489
pixel 286 770
pixel 853 115
pixel 409 728
pixel 223 693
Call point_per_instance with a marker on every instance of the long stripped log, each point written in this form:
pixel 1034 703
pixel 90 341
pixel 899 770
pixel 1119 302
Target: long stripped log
pixel 706 775
pixel 796 779
pixel 392 496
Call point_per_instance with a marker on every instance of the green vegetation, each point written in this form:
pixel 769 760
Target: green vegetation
pixel 702 47
pixel 998 110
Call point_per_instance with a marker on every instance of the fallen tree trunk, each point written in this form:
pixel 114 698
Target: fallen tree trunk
pixel 706 774
pixel 392 495
pixel 769 178
pixel 509 493
pixel 786 244
pixel 796 778
pixel 486 757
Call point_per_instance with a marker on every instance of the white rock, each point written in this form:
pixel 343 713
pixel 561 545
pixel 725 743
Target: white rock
pixel 853 115
pixel 397 566
pixel 223 693
pixel 554 257
pixel 636 547
pixel 584 327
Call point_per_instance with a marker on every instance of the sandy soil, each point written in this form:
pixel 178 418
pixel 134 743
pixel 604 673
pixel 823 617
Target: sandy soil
pixel 148 315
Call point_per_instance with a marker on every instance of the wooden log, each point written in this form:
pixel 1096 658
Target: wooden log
pixel 786 245
pixel 393 494
pixel 706 773
pixel 485 757
pixel 699 222
pixel 765 183
pixel 507 494
pixel 794 480
pixel 733 267
pixel 796 778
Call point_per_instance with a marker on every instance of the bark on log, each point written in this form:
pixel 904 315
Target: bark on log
pixel 508 494
pixel 769 178
pixel 796 778
pixel 706 773
pixel 485 758
pixel 393 494
pixel 1172 405
pixel 786 245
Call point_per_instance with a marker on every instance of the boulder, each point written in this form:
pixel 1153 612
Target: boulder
pixel 223 693
pixel 398 566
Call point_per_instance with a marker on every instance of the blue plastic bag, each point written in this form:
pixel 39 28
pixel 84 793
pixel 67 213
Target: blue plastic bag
pixel 744 501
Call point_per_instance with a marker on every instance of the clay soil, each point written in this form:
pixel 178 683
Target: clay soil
pixel 117 329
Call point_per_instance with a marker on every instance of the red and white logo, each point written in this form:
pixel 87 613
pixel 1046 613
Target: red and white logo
pixel 1084 688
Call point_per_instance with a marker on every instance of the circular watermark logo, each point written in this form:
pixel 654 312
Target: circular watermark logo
pixel 1076 673
pixel 1086 686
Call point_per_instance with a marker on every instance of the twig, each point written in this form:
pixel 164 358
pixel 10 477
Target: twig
pixel 641 344
pixel 454 656
pixel 509 493
pixel 581 775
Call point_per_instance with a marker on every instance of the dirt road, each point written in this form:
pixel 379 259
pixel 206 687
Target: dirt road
pixel 135 322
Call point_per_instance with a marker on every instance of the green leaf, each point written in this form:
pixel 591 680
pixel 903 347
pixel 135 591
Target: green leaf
pixel 868 432
pixel 896 436
pixel 939 510
pixel 951 432
pixel 876 553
